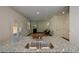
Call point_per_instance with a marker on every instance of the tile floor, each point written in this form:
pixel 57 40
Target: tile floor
pixel 18 45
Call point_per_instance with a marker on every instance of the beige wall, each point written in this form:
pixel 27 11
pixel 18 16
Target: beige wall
pixel 60 25
pixel 9 18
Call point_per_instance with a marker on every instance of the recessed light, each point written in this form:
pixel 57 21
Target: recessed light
pixel 37 12
pixel 63 12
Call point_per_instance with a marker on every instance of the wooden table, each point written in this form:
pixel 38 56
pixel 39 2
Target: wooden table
pixel 38 35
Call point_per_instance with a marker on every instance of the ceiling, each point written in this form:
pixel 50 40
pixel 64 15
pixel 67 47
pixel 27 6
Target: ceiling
pixel 35 13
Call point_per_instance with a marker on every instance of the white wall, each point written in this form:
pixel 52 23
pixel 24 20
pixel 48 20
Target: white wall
pixel 60 25
pixel 74 28
pixel 8 18
pixel 42 26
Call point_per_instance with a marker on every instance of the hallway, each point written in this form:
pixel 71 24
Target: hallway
pixel 21 25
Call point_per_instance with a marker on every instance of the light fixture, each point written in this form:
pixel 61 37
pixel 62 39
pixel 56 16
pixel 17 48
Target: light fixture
pixel 63 12
pixel 47 24
pixel 15 30
pixel 37 12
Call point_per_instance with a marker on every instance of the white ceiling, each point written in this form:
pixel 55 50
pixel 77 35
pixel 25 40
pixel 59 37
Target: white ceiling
pixel 38 12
